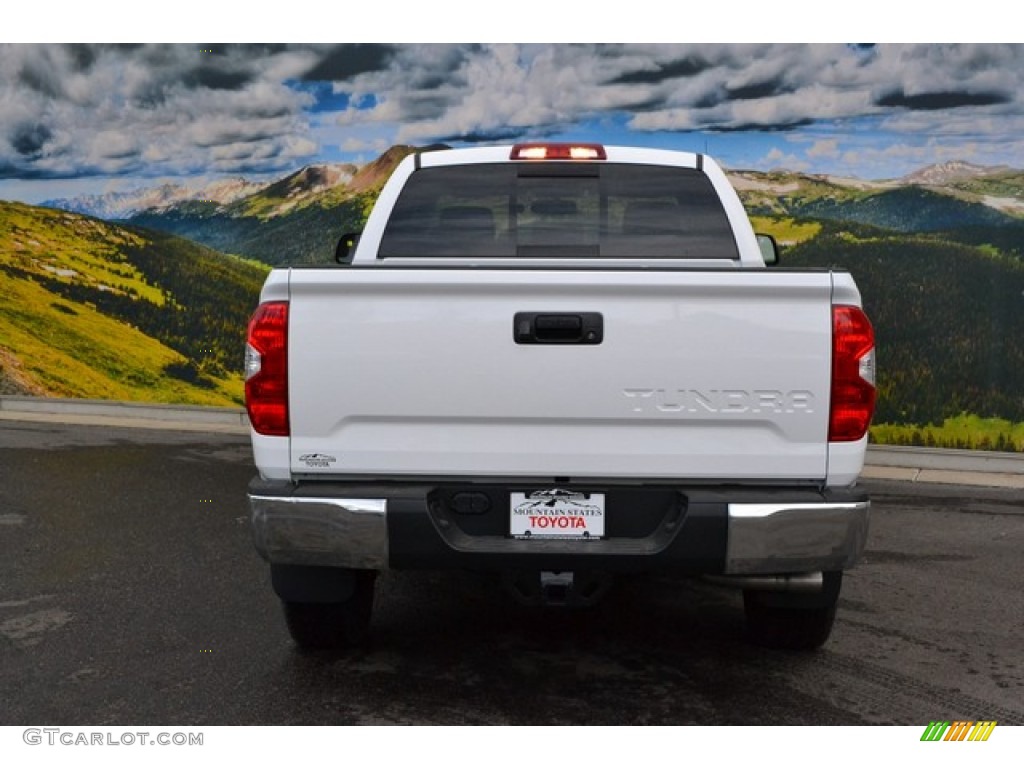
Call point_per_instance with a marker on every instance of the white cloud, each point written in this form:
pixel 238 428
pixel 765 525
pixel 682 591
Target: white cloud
pixel 156 109
pixel 824 148
pixel 501 88
pixel 777 159
pixel 173 109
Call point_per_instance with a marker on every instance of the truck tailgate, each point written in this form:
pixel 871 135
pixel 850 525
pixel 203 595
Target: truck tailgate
pixel 717 375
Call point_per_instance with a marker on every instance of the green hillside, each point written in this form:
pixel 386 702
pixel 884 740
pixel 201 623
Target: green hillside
pixel 89 309
pixel 306 235
pixel 947 315
pixel 783 193
pixel 907 209
pixel 1005 186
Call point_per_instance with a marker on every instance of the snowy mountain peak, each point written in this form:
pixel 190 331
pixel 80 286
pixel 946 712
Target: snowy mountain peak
pixel 947 173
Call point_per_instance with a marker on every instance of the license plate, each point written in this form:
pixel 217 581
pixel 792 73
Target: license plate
pixel 557 514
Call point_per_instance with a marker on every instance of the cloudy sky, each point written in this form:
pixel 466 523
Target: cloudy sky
pixel 87 118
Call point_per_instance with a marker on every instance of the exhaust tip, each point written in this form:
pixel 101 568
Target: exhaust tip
pixel 805 583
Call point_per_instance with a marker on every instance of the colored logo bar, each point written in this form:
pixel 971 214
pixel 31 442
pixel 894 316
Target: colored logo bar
pixel 959 730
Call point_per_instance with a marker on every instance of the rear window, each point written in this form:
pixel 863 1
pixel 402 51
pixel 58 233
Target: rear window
pixel 558 210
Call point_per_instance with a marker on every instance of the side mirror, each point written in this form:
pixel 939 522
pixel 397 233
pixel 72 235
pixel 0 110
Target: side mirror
pixel 769 250
pixel 346 245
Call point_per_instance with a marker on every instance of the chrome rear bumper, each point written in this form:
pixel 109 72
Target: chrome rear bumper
pixel 377 527
pixel 348 533
pixel 795 538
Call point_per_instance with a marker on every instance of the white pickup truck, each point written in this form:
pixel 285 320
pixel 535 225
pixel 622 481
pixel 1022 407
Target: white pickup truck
pixel 556 362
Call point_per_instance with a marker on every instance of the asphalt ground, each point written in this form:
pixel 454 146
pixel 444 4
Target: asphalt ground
pixel 130 594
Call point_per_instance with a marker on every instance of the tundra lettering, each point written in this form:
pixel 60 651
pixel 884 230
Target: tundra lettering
pixel 720 401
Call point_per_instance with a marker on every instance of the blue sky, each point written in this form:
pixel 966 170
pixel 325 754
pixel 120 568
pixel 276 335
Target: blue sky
pixel 92 118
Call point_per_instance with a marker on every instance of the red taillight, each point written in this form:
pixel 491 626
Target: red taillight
pixel 853 375
pixel 558 151
pixel 266 369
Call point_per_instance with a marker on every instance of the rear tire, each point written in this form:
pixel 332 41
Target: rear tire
pixel 333 625
pixel 792 621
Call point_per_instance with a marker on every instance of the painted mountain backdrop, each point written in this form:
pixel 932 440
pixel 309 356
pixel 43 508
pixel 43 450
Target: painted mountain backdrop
pixel 938 255
pixel 92 309
pixel 297 219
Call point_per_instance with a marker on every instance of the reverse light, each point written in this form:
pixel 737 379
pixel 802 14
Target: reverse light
pixel 558 151
pixel 853 375
pixel 266 369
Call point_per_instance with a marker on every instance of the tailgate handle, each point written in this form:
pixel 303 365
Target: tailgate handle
pixel 558 328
